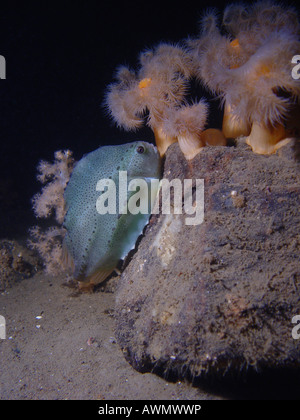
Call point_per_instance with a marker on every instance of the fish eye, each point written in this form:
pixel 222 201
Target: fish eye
pixel 140 149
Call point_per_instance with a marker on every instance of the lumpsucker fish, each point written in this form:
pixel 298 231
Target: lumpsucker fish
pixel 101 223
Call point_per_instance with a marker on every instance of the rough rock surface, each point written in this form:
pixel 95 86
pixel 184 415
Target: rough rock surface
pixel 16 263
pixel 219 296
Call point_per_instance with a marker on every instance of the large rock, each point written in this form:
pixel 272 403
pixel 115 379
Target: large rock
pixel 220 295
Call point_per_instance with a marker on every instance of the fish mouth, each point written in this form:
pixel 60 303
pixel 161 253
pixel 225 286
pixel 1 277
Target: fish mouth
pixel 153 147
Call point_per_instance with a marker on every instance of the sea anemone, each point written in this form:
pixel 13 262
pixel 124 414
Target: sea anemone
pixel 253 91
pixel 157 93
pixel 251 70
pixel 213 53
pixel 186 124
pixel 259 19
pixel 160 84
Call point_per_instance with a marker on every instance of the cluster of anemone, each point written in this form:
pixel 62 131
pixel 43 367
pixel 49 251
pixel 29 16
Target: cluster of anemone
pixel 250 68
pixel 155 94
pixel 247 64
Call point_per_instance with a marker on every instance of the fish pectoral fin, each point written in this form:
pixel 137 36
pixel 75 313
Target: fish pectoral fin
pixel 96 278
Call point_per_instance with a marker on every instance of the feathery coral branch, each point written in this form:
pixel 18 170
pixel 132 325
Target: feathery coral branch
pixel 50 202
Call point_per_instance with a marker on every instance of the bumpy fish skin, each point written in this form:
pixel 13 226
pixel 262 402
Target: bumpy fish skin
pixel 97 242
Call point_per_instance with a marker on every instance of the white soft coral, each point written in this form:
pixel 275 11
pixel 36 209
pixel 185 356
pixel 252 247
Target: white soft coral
pixel 50 202
pixel 55 176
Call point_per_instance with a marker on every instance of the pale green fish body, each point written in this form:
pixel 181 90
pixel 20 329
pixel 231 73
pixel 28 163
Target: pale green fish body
pixel 96 242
